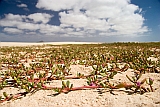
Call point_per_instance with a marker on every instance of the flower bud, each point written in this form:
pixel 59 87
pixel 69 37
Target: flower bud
pixel 150 81
pixel 92 84
pixel 138 84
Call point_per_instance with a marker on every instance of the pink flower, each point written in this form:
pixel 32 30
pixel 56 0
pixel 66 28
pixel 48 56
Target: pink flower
pixel 92 84
pixel 150 79
pixel 103 65
pixel 138 84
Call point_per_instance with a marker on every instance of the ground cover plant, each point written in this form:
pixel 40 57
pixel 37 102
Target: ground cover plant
pixel 32 68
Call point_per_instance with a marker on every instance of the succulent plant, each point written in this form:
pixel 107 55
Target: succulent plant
pixel 53 63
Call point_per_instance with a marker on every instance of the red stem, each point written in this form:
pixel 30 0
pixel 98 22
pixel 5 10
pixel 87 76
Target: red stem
pixel 151 88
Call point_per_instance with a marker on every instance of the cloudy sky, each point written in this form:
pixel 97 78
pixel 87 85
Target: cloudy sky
pixel 80 20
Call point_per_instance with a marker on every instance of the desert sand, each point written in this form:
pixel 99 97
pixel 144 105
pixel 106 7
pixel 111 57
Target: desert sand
pixel 88 97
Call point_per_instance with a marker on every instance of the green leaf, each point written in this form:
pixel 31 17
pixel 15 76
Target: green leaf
pixel 23 86
pixel 103 74
pixel 71 86
pixel 0 98
pixel 94 67
pixel 67 83
pixel 39 85
pixel 15 79
pixel 57 90
pixel 88 82
pixel 40 75
pixel 115 72
pixel 5 94
pixel 134 79
pixel 103 85
pixel 32 84
pixel 10 98
pixel 29 84
pixel 64 84
pixel 150 81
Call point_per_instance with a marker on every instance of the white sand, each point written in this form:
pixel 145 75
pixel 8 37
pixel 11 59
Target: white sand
pixel 43 43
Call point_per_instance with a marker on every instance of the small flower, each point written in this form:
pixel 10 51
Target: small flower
pixel 138 84
pixel 92 84
pixel 151 81
pixel 103 65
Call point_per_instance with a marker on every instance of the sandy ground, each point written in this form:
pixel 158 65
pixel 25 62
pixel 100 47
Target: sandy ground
pixel 43 43
pixel 86 98
pixel 91 97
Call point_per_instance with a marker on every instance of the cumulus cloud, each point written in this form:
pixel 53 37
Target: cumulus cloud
pixel 35 18
pixel 28 26
pixel 12 30
pixel 105 17
pixel 48 28
pixel 40 17
pixel 13 17
pixel 32 22
pixel 57 6
pixel 22 5
pixel 79 18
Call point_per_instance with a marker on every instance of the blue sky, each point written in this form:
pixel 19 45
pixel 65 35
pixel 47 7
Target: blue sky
pixel 80 20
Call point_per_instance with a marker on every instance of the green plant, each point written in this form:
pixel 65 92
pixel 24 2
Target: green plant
pixel 46 64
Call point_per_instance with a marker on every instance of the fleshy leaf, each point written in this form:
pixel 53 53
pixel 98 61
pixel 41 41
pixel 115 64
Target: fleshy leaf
pixel 103 74
pixel 67 83
pixel 64 84
pixel 71 86
pixel 150 81
pixel 5 94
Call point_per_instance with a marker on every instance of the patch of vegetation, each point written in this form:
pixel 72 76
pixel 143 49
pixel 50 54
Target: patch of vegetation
pixel 48 63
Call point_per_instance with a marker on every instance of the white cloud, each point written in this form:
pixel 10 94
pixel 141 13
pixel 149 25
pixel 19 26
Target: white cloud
pixel 12 30
pixel 33 24
pixel 30 33
pixel 80 18
pixel 12 17
pixel 82 21
pixel 24 22
pixel 40 17
pixel 9 23
pixel 28 26
pixel 107 17
pixel 26 9
pixel 22 5
pixel 56 5
pixel 48 28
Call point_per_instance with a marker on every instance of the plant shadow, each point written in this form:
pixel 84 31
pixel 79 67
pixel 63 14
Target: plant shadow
pixel 129 92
